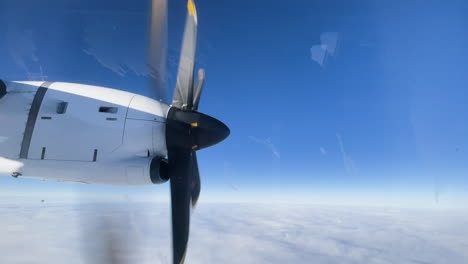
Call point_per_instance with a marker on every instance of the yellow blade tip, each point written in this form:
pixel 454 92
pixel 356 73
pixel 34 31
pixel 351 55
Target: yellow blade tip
pixel 183 259
pixel 191 8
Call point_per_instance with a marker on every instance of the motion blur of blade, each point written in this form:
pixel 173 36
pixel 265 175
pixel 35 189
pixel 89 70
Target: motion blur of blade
pixel 158 48
pixel 183 94
pixel 198 89
pixel 107 235
pixel 112 241
pixel 115 244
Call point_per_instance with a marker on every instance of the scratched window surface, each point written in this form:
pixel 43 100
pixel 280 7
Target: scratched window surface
pixel 348 144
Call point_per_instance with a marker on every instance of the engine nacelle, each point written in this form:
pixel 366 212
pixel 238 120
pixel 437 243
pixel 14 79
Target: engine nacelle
pixel 80 133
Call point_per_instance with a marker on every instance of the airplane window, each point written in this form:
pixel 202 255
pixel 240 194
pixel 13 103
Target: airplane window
pixel 348 127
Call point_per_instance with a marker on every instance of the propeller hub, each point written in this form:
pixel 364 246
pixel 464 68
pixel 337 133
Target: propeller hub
pixel 193 130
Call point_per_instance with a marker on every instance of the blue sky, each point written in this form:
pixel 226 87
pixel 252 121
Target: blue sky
pixel 342 101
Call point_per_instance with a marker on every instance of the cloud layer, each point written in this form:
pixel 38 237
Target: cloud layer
pixel 232 233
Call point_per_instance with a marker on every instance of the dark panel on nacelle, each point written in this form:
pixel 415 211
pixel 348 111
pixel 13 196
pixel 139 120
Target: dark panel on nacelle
pixel 3 90
pixel 159 171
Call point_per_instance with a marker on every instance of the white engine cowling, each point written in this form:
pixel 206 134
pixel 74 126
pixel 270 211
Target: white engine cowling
pixel 136 172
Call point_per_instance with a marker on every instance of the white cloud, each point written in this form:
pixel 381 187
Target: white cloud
pixel 232 233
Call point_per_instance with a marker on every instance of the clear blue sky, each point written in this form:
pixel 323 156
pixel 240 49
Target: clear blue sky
pixel 326 100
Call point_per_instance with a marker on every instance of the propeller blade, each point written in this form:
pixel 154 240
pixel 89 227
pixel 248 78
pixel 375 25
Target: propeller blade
pixel 180 169
pixel 183 95
pixel 199 89
pixel 158 48
pixel 187 131
pixel 181 163
pixel 196 183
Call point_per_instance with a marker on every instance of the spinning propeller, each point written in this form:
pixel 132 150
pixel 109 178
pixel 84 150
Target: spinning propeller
pixel 187 130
